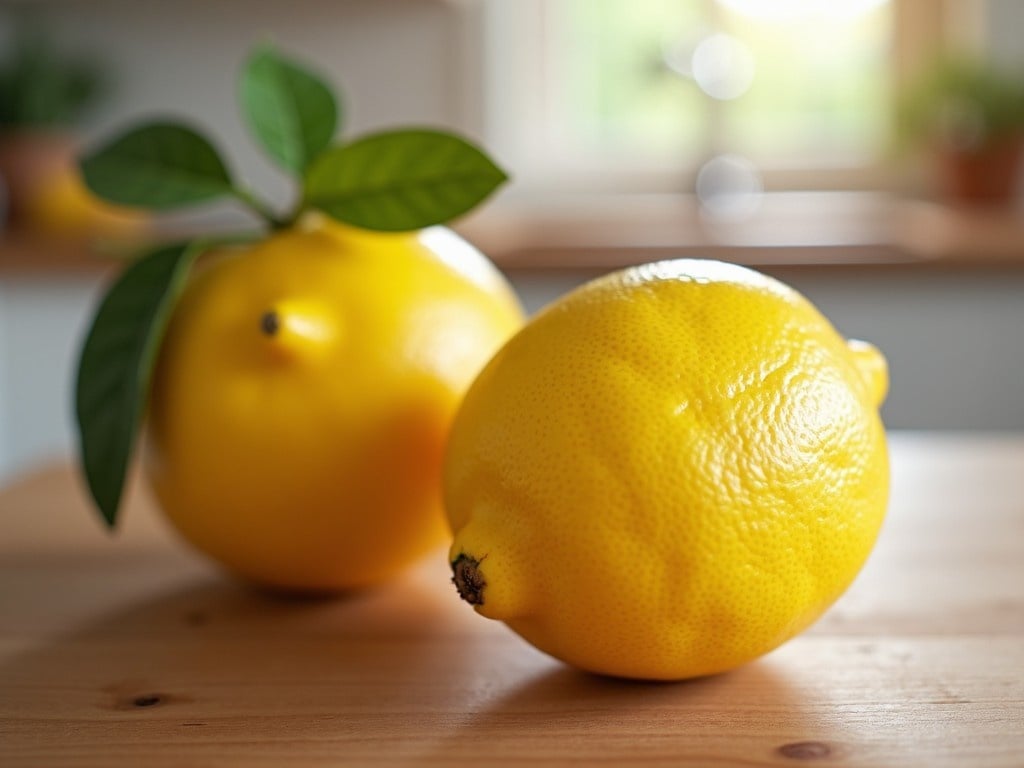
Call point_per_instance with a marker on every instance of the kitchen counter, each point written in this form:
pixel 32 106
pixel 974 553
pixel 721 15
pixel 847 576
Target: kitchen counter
pixel 130 650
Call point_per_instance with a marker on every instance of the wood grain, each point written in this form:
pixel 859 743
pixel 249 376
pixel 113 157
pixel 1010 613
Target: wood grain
pixel 133 651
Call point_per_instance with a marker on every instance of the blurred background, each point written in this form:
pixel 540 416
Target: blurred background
pixel 868 152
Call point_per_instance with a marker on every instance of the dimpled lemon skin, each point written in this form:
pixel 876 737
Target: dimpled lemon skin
pixel 669 472
pixel 303 395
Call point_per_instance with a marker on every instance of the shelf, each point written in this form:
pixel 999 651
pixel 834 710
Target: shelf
pixel 32 254
pixel 611 232
pixel 788 229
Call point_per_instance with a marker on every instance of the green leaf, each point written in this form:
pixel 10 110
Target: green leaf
pixel 116 366
pixel 291 111
pixel 401 180
pixel 159 165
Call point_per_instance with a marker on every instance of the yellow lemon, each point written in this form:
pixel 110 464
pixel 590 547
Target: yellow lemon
pixel 62 206
pixel 668 472
pixel 303 394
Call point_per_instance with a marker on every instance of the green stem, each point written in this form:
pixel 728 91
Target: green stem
pixel 301 207
pixel 260 208
pixel 296 215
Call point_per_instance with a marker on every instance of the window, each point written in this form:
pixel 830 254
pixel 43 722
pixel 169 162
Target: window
pixel 659 95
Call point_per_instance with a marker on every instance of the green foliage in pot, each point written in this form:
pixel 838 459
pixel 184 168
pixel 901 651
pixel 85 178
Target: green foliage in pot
pixel 962 104
pixel 40 88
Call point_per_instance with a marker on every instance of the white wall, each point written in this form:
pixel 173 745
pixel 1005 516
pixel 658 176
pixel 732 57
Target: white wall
pixel 1005 20
pixel 41 320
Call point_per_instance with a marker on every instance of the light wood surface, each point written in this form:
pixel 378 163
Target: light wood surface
pixel 131 651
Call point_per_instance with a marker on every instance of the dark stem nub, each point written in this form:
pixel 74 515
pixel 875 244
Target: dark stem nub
pixel 468 579
pixel 270 323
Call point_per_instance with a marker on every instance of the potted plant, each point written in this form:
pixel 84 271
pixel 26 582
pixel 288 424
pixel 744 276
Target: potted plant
pixel 970 115
pixel 43 94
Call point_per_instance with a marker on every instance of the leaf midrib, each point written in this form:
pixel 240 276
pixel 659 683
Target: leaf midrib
pixel 288 119
pixel 184 177
pixel 399 186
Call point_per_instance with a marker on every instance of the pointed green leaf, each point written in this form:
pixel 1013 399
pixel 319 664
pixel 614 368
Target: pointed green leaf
pixel 291 111
pixel 158 165
pixel 116 366
pixel 401 180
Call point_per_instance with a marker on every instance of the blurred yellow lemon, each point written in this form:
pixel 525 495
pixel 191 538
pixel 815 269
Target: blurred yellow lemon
pixel 61 206
pixel 668 472
pixel 304 392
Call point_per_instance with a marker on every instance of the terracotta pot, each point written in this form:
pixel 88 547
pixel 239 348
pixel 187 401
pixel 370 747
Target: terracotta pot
pixel 986 176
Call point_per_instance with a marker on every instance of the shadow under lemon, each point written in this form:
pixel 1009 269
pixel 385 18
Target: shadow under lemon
pixel 753 715
pixel 215 662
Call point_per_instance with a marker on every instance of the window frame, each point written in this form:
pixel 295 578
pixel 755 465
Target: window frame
pixel 507 51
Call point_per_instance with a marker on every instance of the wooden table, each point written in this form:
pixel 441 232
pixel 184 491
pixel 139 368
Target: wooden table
pixel 132 651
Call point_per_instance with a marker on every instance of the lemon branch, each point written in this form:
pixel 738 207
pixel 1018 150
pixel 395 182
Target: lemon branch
pixel 260 208
pixel 397 180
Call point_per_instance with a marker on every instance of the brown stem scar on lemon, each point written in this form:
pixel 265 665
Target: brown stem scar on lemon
pixel 468 580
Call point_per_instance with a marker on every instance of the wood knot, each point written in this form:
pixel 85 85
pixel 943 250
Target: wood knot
pixel 126 697
pixel 147 700
pixel 805 750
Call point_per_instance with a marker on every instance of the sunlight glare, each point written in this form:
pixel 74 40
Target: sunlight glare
pixel 802 10
pixel 723 67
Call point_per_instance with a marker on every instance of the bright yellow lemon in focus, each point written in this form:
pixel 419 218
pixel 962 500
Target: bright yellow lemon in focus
pixel 668 472
pixel 304 392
